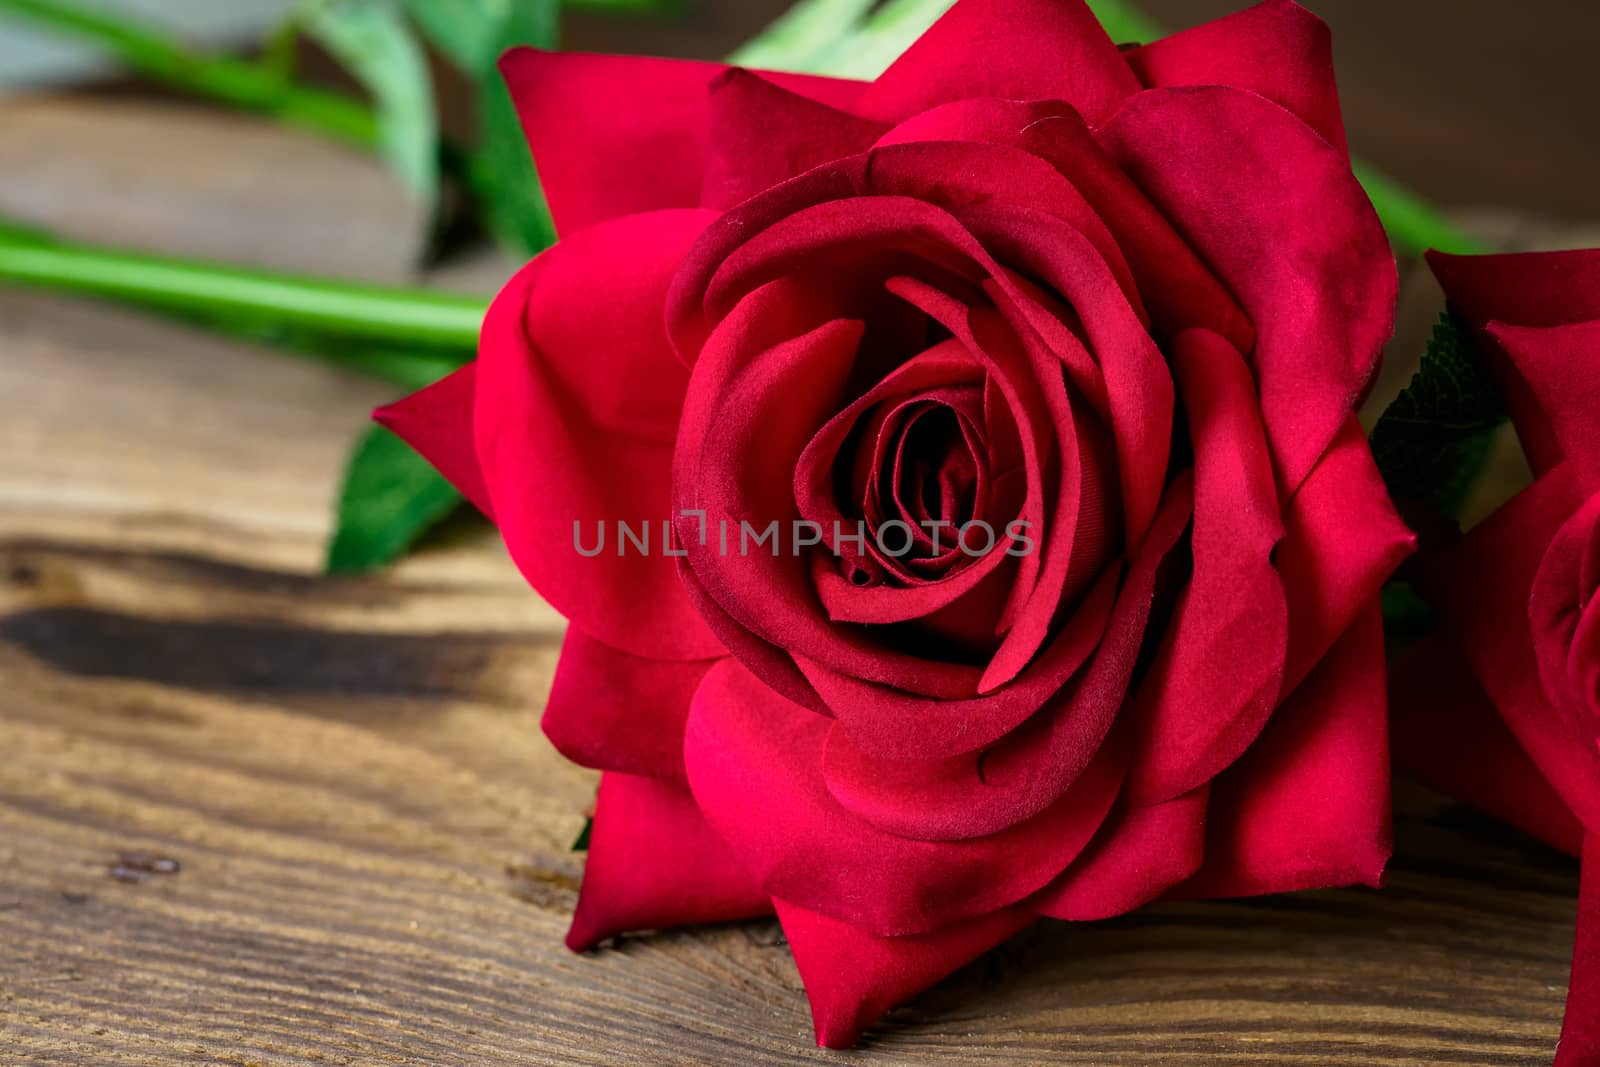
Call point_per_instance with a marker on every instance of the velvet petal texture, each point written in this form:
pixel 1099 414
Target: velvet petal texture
pixel 1580 1033
pixel 615 135
pixel 852 977
pixel 1308 805
pixel 1482 588
pixel 762 134
pixel 437 422
pixel 1342 540
pixel 1561 364
pixel 1016 49
pixel 1434 699
pixel 654 863
pixel 753 764
pixel 1292 234
pixel 1529 289
pixel 1217 675
pixel 1276 48
pixel 615 711
pixel 577 409
pixel 1140 854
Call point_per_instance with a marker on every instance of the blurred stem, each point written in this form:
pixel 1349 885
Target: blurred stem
pixel 375 314
pixel 1414 225
pixel 258 87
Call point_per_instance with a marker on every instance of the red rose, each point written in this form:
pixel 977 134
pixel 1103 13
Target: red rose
pixel 1518 595
pixel 1099 318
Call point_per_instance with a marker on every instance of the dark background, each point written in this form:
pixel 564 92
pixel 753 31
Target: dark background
pixel 1472 102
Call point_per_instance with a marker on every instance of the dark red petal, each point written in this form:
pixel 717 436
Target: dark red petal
pixel 1580 1033
pixel 615 711
pixel 1559 624
pixel 1561 364
pixel 1482 586
pixel 1219 670
pixel 1013 49
pixel 1537 289
pixel 437 422
pixel 1308 806
pixel 576 411
pixel 853 977
pixel 1029 769
pixel 1448 736
pixel 1342 541
pixel 615 135
pixel 1175 283
pixel 1277 49
pixel 1291 233
pixel 1139 854
pixel 1522 288
pixel 763 134
pixel 655 863
pixel 755 764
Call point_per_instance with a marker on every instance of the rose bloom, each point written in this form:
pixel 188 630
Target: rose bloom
pixel 1126 299
pixel 1519 596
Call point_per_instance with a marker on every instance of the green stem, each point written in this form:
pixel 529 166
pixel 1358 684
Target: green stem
pixel 250 86
pixel 368 313
pixel 1414 225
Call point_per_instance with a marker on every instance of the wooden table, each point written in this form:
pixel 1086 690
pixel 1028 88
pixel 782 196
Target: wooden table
pixel 373 837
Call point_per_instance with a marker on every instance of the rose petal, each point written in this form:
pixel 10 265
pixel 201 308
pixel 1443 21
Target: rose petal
pixel 1029 769
pixel 1175 284
pixel 881 723
pixel 1277 49
pixel 1580 1033
pixel 615 711
pixel 852 977
pixel 763 134
pixel 1014 49
pixel 1522 288
pixel 615 135
pixel 1448 736
pixel 1139 854
pixel 655 863
pixel 437 422
pixel 1559 624
pixel 1561 364
pixel 1308 806
pixel 1290 232
pixel 1219 670
pixel 1482 586
pixel 754 764
pixel 576 409
pixel 1537 289
pixel 1342 540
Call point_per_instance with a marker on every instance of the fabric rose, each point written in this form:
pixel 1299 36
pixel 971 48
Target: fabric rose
pixel 1519 596
pixel 1024 548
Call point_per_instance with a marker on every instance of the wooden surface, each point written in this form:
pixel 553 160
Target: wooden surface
pixel 373 838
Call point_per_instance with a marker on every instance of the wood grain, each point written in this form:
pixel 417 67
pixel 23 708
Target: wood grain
pixel 373 837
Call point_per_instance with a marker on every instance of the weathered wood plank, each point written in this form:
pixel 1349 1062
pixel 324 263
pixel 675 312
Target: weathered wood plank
pixel 373 836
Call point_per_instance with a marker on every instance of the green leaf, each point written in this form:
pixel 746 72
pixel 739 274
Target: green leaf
pixel 1124 23
pixel 464 31
pixel 582 842
pixel 504 176
pixel 1434 439
pixel 473 34
pixel 373 41
pixel 391 497
pixel 887 32
pixel 1406 616
pixel 803 35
